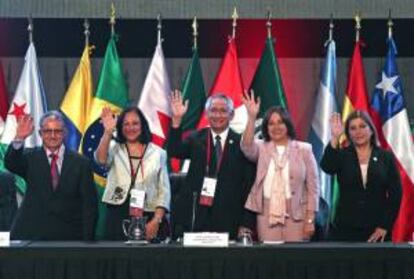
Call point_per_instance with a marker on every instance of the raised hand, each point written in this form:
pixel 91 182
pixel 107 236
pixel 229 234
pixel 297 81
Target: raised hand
pixel 108 120
pixel 25 127
pixel 178 107
pixel 337 129
pixel 252 106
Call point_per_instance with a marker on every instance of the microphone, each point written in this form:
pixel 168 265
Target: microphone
pixel 195 194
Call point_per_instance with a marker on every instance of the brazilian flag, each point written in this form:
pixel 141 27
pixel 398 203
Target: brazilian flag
pixel 111 92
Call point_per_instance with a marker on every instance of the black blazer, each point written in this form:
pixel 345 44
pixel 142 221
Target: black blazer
pixel 69 212
pixel 235 178
pixel 8 203
pixel 375 206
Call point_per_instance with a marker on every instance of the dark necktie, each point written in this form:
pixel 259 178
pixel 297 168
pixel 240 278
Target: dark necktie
pixel 217 148
pixel 215 158
pixel 54 171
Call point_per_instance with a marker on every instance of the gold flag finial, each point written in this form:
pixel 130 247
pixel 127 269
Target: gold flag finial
pixel 269 24
pixel 390 24
pixel 112 19
pixel 357 25
pixel 195 32
pixel 234 16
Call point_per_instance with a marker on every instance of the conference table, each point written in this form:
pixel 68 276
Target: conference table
pixel 290 260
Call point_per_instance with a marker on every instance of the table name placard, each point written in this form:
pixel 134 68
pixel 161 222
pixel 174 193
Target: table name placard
pixel 206 239
pixel 4 239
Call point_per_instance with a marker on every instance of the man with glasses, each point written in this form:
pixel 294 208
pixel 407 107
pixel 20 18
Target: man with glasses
pixel 60 202
pixel 220 177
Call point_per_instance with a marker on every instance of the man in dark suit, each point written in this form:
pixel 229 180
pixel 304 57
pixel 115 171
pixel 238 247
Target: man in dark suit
pixel 60 202
pixel 220 177
pixel 8 203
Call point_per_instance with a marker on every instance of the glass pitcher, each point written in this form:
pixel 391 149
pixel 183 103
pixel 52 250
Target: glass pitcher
pixel 134 228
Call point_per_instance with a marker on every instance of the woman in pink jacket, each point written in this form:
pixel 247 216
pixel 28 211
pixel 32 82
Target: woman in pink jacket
pixel 285 193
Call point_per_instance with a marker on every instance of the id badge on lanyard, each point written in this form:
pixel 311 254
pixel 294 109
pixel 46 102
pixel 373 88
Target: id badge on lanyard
pixel 136 203
pixel 208 189
pixel 137 200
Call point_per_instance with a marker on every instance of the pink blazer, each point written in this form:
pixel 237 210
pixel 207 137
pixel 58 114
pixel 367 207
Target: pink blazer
pixel 302 173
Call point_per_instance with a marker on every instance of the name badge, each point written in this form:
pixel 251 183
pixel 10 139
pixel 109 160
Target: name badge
pixel 208 191
pixel 136 203
pixel 4 239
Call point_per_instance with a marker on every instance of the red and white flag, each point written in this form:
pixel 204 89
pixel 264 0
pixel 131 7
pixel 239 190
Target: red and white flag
pixel 229 82
pixel 389 111
pixel 154 101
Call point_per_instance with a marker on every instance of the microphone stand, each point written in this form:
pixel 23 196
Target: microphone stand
pixel 193 210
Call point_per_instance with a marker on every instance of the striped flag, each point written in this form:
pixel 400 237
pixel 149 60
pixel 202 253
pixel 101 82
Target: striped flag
pixel 389 112
pixel 320 132
pixel 76 104
pixel 229 82
pixel 29 98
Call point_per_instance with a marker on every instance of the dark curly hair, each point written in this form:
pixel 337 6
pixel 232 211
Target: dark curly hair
pixel 145 136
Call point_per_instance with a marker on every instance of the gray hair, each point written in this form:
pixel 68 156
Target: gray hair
pixel 229 101
pixel 52 114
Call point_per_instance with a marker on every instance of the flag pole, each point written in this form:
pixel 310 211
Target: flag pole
pixel 112 19
pixel 331 28
pixel 195 32
pixel 269 24
pixel 390 25
pixel 159 28
pixel 357 25
pixel 30 28
pixel 234 16
pixel 86 31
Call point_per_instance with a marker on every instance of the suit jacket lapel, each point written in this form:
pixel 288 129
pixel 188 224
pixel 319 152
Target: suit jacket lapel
pixel 357 167
pixel 372 165
pixel 293 153
pixel 229 146
pixel 66 165
pixel 202 142
pixel 45 171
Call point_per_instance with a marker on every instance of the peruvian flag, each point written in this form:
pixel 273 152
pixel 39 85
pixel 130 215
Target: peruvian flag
pixel 154 100
pixel 390 116
pixel 229 82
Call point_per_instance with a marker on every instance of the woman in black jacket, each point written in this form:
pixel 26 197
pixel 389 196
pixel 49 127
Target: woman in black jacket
pixel 369 182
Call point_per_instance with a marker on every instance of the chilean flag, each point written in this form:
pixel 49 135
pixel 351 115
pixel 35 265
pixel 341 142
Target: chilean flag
pixel 390 116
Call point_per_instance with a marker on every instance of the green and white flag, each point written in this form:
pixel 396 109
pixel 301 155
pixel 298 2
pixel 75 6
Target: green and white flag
pixel 29 98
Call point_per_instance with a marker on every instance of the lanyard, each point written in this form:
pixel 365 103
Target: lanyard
pixel 134 173
pixel 209 135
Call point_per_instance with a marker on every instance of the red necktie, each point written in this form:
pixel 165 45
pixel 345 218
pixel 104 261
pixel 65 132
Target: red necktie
pixel 54 172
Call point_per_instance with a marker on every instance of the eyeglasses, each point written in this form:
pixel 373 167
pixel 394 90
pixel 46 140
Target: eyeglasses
pixel 49 132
